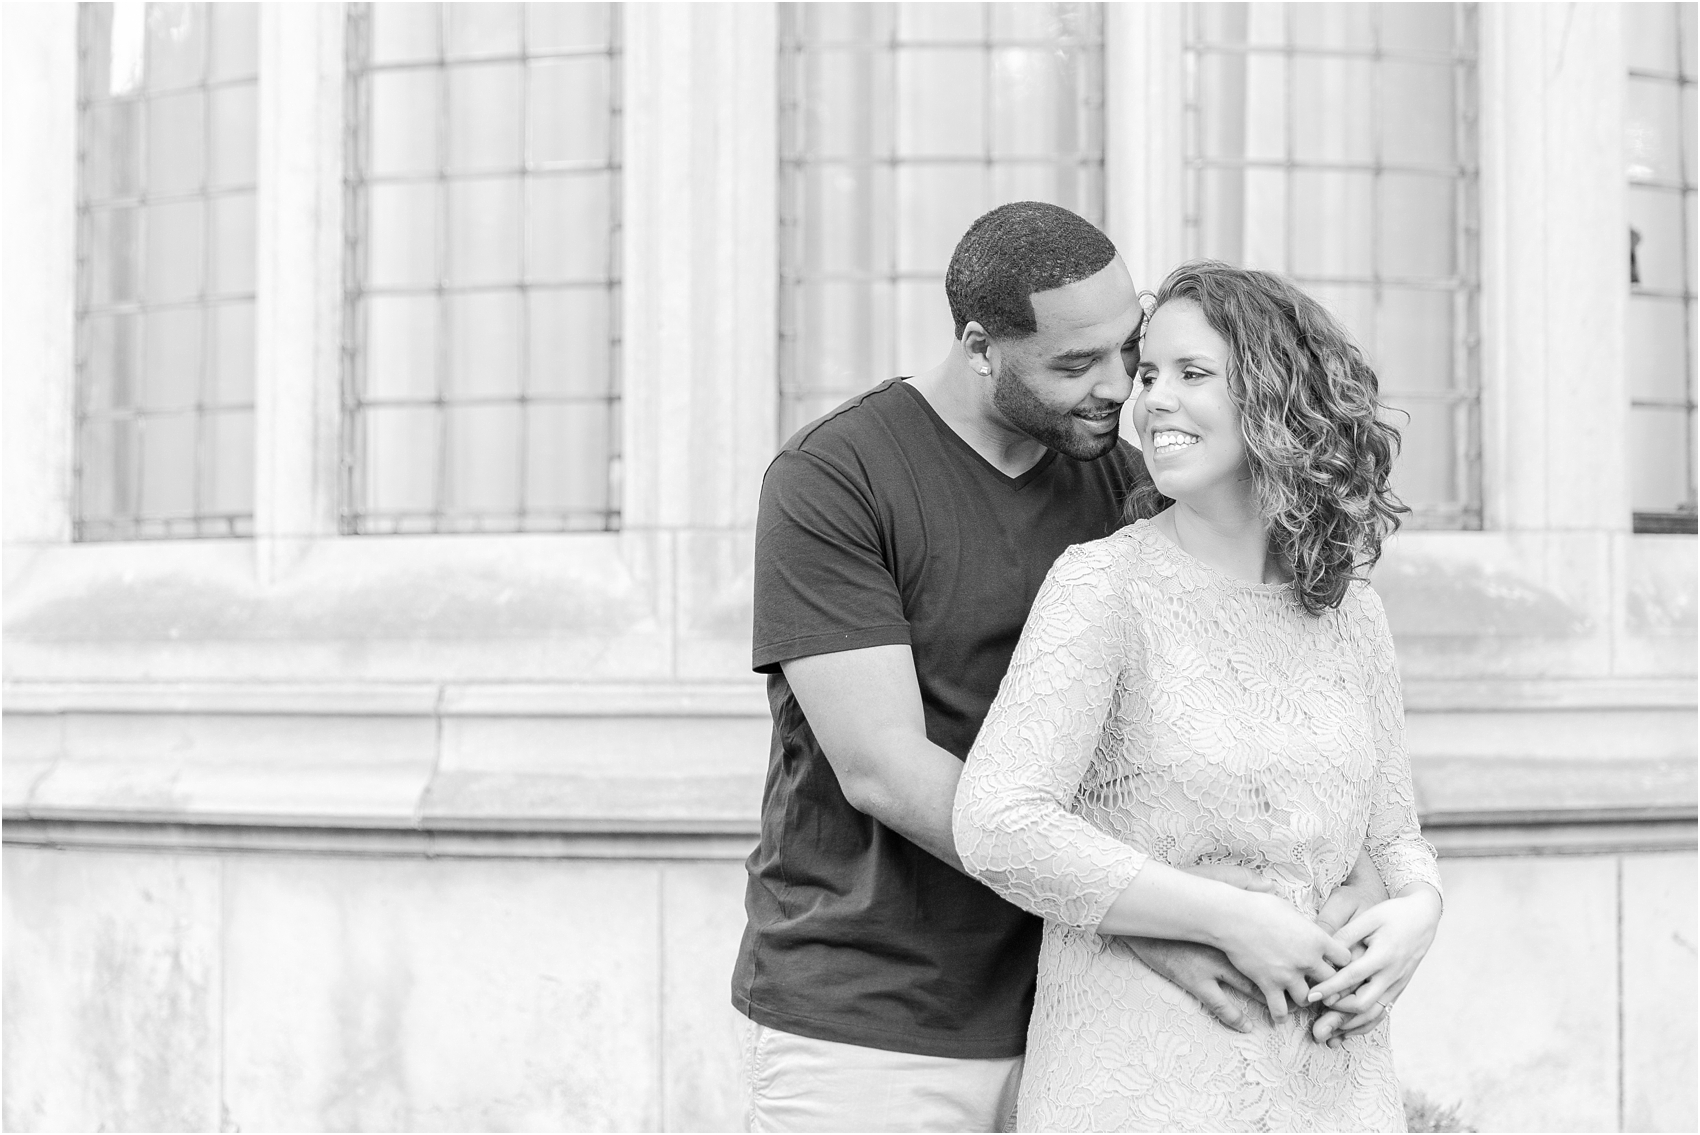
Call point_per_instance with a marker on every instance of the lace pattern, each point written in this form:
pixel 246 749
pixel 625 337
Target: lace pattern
pixel 1158 709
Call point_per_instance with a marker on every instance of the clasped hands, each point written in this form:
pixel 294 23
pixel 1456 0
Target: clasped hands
pixel 1369 947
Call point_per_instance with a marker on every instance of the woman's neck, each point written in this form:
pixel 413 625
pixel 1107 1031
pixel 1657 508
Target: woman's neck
pixel 1227 534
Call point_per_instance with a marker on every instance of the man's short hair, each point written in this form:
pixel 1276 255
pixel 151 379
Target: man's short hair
pixel 1012 252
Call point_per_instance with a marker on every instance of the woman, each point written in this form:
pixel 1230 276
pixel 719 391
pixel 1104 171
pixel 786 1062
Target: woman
pixel 1214 682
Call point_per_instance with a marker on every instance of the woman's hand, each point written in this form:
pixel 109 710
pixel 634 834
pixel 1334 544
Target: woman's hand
pixel 1280 950
pixel 1396 934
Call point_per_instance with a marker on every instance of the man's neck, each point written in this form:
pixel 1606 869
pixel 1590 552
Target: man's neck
pixel 964 400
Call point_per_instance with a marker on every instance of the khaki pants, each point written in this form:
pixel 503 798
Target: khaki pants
pixel 795 1083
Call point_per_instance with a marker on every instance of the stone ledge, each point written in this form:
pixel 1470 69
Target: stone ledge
pixel 690 841
pixel 741 697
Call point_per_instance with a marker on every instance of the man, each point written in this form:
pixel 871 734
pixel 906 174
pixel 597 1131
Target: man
pixel 900 542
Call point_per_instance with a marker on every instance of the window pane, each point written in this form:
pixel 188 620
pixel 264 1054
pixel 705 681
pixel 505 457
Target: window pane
pixel 233 355
pixel 1333 110
pixel 233 244
pixel 924 325
pixel 560 128
pixel 112 151
pixel 484 459
pixel 841 113
pixel 1658 347
pixel 1425 475
pixel 110 362
pixel 1650 134
pixel 1418 227
pixel 406 33
pixel 176 45
pixel 175 255
pixel 930 23
pixel 404 221
pixel 567 342
pixel 405 125
pixel 1417 99
pixel 1330 216
pixel 234 161
pixel 484 117
pixel 177 132
pixel 564 27
pixel 401 459
pixel 168 465
pixel 484 231
pixel 227 472
pixel 1650 37
pixel 487 183
pixel 935 206
pixel 567 232
pixel 1658 243
pixel 173 358
pixel 485 340
pixel 1349 26
pixel 235 42
pixel 112 270
pixel 950 86
pixel 1658 446
pixel 1416 27
pixel 1414 341
pixel 568 449
pixel 401 347
pixel 105 473
pixel 482 30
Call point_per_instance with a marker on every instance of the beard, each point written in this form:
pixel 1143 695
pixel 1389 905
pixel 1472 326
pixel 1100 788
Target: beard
pixel 1054 429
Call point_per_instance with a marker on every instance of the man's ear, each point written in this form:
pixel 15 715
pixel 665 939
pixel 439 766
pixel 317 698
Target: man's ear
pixel 977 345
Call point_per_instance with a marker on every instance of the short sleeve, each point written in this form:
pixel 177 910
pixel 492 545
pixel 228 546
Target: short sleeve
pixel 822 580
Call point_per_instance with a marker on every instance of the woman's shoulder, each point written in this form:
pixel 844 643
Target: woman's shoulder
pixel 1129 549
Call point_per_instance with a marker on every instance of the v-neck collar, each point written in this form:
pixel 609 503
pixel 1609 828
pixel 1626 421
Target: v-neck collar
pixel 956 439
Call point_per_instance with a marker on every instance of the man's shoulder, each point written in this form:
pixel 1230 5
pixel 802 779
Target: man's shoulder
pixel 849 424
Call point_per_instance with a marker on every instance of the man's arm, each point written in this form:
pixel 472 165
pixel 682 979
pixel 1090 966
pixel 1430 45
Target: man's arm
pixel 865 709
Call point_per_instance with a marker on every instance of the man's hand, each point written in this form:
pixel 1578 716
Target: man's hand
pixel 1204 971
pixel 1361 890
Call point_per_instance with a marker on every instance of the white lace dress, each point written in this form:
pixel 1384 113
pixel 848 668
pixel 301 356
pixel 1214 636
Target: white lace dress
pixel 1157 709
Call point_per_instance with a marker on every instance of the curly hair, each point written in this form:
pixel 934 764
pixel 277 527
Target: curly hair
pixel 1319 453
pixel 1010 253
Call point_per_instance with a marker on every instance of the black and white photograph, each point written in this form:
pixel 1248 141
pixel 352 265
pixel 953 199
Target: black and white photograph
pixel 839 566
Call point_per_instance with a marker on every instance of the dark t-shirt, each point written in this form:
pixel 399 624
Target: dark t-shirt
pixel 880 525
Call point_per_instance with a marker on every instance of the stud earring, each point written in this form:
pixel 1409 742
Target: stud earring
pixel 986 370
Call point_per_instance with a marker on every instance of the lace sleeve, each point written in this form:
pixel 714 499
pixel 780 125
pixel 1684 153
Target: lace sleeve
pixel 1395 842
pixel 1013 821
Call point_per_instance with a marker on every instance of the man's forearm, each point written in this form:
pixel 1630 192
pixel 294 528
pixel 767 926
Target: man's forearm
pixel 911 789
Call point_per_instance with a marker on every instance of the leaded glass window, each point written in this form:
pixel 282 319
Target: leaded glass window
pixel 899 124
pixel 1659 144
pixel 165 270
pixel 1336 144
pixel 482 368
